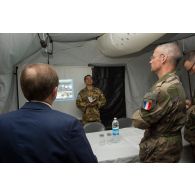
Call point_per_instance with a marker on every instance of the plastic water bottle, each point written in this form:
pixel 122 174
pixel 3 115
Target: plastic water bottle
pixel 115 130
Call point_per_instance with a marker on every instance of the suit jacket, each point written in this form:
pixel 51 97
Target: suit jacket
pixel 36 133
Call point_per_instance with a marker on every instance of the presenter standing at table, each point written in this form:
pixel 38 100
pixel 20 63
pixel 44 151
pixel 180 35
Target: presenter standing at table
pixel 162 113
pixel 90 100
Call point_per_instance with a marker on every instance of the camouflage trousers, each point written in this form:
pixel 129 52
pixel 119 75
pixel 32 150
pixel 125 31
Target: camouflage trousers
pixel 88 121
pixel 161 149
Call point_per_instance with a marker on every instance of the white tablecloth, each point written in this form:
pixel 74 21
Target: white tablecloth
pixel 127 149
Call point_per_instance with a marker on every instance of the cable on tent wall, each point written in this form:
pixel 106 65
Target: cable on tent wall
pixel 50 45
pixel 46 44
pixel 48 58
pixel 17 94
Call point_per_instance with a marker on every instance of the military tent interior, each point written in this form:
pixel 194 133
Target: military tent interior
pixel 73 54
pixel 82 49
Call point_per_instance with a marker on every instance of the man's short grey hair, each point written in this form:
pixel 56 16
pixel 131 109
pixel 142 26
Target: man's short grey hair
pixel 172 50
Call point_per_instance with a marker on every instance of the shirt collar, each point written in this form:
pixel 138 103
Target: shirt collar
pixel 42 102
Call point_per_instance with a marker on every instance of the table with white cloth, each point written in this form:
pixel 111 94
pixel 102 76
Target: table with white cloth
pixel 127 149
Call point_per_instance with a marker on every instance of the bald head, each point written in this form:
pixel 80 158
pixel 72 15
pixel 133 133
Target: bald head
pixel 38 81
pixel 172 51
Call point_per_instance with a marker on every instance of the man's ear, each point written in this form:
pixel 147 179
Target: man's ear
pixel 163 58
pixel 54 92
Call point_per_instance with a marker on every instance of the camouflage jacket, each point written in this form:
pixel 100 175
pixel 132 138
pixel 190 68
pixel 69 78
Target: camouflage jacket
pixel 162 115
pixel 90 101
pixel 189 133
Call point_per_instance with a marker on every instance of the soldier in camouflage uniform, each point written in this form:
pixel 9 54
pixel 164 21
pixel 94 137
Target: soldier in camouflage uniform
pixel 90 100
pixel 162 114
pixel 189 132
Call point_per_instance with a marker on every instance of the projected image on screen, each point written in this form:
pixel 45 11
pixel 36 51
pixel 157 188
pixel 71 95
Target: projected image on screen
pixel 65 90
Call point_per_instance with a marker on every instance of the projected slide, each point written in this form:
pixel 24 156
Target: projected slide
pixel 65 90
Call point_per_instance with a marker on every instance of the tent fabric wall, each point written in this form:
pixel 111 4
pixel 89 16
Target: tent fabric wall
pixel 13 49
pixel 138 78
pixel 16 47
pixel 70 54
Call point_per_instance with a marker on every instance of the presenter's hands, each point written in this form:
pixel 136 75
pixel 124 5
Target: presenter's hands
pixel 92 104
pixel 188 104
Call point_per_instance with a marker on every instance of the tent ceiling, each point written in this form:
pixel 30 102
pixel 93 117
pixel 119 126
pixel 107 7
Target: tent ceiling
pixel 73 37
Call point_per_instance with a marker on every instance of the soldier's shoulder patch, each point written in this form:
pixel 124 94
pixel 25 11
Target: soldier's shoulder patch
pixel 147 104
pixel 150 100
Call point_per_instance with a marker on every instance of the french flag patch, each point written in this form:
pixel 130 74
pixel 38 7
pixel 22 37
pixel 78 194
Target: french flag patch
pixel 147 104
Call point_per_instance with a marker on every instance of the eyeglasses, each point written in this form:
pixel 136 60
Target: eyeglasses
pixel 189 70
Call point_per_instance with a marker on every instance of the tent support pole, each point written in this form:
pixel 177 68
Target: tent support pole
pixel 16 73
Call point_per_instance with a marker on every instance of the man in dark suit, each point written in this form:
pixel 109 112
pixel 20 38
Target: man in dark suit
pixel 36 132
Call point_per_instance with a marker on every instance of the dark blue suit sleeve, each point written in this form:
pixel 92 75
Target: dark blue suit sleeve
pixel 80 145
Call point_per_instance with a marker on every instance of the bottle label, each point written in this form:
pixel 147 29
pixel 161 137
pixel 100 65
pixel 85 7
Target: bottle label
pixel 115 131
